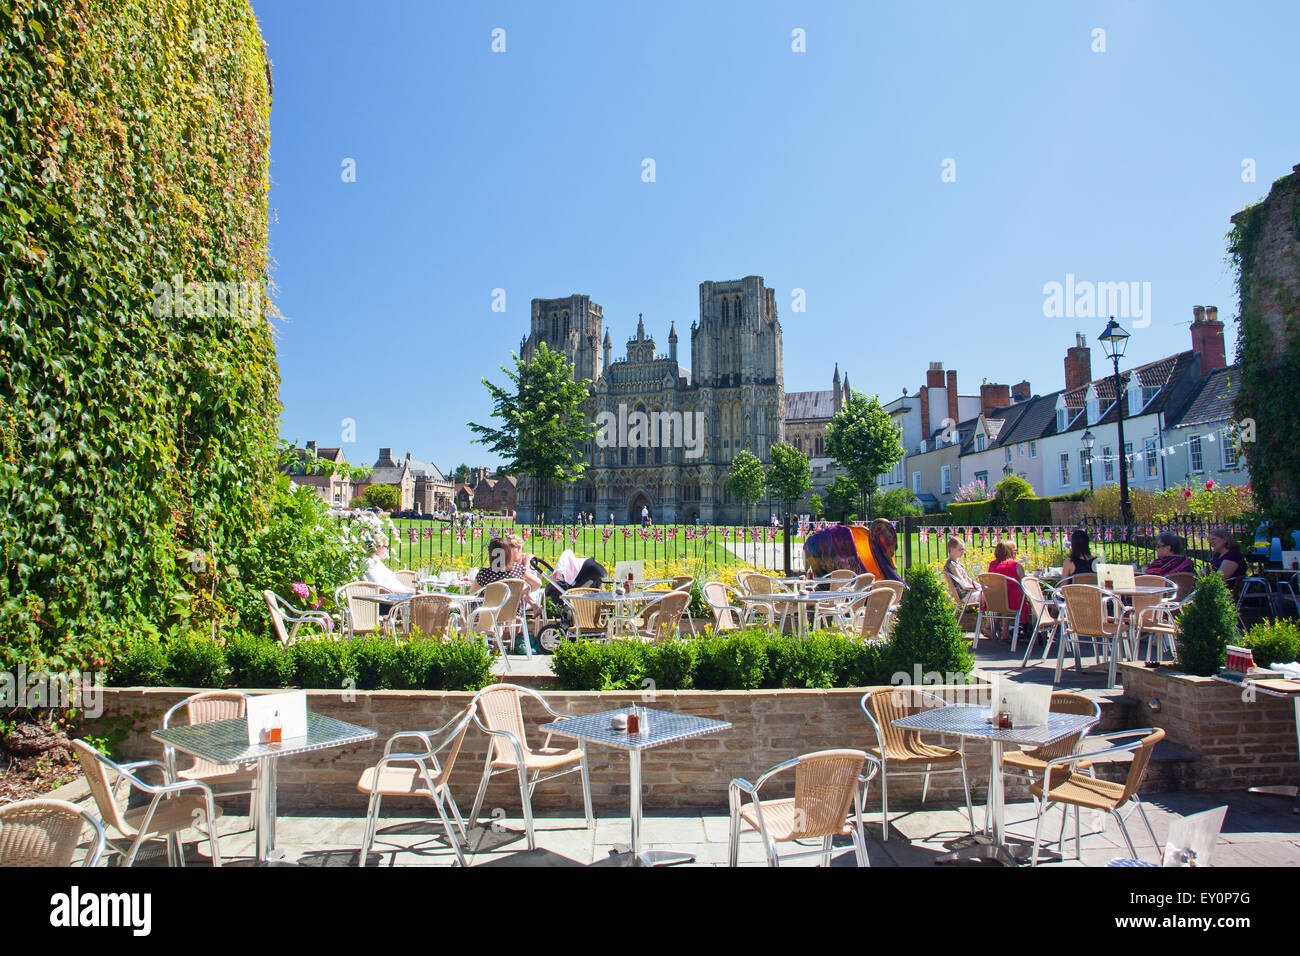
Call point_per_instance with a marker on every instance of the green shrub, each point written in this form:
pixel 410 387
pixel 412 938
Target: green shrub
pixel 372 658
pixel 926 631
pixel 1274 642
pixel 671 664
pixel 257 662
pixel 861 665
pixel 1206 626
pixel 577 664
pixel 142 663
pixel 195 660
pixel 322 664
pixel 464 664
pixel 731 661
pixel 802 662
pixel 970 512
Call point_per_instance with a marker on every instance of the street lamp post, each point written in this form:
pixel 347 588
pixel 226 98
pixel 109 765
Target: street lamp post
pixel 1114 341
pixel 1089 439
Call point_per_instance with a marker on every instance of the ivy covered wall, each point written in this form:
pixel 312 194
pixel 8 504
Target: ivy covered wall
pixel 1264 247
pixel 138 386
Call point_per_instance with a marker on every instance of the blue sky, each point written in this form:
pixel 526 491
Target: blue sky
pixel 820 170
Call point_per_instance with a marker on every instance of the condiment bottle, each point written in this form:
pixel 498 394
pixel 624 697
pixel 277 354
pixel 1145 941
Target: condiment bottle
pixel 633 721
pixel 1004 716
pixel 627 588
pixel 276 728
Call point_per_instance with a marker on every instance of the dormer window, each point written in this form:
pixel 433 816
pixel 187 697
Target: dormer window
pixel 1061 419
pixel 979 442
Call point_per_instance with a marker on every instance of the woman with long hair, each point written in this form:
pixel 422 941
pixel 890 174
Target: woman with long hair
pixel 1080 559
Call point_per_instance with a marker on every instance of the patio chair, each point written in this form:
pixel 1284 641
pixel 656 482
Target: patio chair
pixel 510 617
pixel 1029 763
pixel 1043 613
pixel 591 619
pixel 1160 621
pixel 1255 598
pixel 1185 581
pixel 408 578
pixel 46 832
pixel 826 612
pixel 825 784
pixel 1094 615
pixel 718 597
pixel 902 753
pixel 1082 577
pixel 172 808
pixel 1141 603
pixel 500 714
pixel 485 619
pixel 359 617
pixel 663 616
pixel 282 613
pixel 876 608
pixel 684 582
pixel 204 708
pixel 431 614
pixel 1071 789
pixel 996 605
pixel 417 774
pixel 760 585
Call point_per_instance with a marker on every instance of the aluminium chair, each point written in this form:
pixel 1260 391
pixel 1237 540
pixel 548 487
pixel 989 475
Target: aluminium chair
pixel 359 617
pixel 282 613
pixel 901 752
pixel 1060 784
pixel 44 832
pixel 996 604
pixel 826 784
pixel 1094 615
pixel 590 619
pixel 1029 763
pixel 419 774
pixel 499 713
pixel 1043 613
pixel 233 779
pixel 662 618
pixel 718 597
pixel 684 582
pixel 431 614
pixel 173 806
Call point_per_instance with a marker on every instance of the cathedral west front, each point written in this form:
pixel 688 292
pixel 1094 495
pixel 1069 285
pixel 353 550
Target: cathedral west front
pixel 667 434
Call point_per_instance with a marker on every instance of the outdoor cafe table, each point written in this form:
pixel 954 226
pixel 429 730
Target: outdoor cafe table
pixel 225 743
pixel 971 720
pixel 803 600
pixel 658 728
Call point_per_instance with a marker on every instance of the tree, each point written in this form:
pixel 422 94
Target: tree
pixel 1008 490
pixel 896 503
pixel 840 497
pixel 746 480
pixel 1207 625
pixel 542 425
pixel 789 477
pixel 388 497
pixel 864 441
pixel 461 475
pixel 815 506
pixel 926 632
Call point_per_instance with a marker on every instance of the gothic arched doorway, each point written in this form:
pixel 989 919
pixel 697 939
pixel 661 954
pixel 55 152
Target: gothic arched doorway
pixel 639 501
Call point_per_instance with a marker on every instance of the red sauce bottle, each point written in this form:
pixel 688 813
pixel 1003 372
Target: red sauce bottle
pixel 633 722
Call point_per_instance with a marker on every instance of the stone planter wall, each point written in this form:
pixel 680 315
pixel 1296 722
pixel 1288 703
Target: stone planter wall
pixel 769 726
pixel 1238 744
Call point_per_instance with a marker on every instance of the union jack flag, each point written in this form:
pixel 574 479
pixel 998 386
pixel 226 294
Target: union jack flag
pixel 604 536
pixel 658 535
pixel 460 536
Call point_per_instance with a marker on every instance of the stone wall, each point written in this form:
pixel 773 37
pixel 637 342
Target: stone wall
pixel 1238 744
pixel 769 726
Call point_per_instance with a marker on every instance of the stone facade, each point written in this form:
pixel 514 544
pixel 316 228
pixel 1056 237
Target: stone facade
pixel 733 390
pixel 422 485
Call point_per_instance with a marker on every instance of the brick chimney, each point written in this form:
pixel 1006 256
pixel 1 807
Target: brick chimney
pixel 1021 392
pixel 1078 363
pixel 952 396
pixel 1207 338
pixel 934 377
pixel 993 396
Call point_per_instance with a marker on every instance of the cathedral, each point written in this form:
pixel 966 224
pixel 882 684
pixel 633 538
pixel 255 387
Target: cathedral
pixel 695 419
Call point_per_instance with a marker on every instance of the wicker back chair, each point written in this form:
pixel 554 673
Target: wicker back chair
pixel 498 712
pixel 1042 612
pixel 485 619
pixel 826 783
pixel 759 584
pixel 1094 615
pixel 418 774
pixel 1185 581
pixel 431 613
pixel 875 610
pixel 663 618
pixel 359 617
pixel 591 619
pixel 204 708
pixel 718 597
pixel 864 582
pixel 282 612
pixel 1031 762
pixel 46 832
pixel 837 578
pixel 996 604
pixel 684 582
pixel 408 577
pixel 172 808
pixel 901 752
pixel 1081 577
pixel 1062 784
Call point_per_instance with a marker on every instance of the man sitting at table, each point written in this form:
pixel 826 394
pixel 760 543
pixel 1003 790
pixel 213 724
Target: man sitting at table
pixel 1169 557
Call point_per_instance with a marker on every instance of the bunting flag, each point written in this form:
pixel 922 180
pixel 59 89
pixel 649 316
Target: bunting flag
pixel 925 535
pixel 527 534
pixel 604 536
pixel 460 536
pixel 658 535
pixel 478 533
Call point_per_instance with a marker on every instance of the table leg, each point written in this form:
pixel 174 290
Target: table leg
pixel 634 855
pixel 992 846
pixel 265 806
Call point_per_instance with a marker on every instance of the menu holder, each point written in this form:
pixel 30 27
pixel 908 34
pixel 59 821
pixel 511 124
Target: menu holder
pixel 1191 839
pixel 262 710
pixel 1029 704
pixel 1115 577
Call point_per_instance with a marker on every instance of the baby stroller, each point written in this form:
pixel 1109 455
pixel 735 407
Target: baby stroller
pixel 563 626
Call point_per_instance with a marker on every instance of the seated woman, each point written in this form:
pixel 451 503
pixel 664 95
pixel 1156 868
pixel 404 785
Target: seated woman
pixel 508 559
pixel 1080 559
pixel 1226 559
pixel 379 573
pixel 1004 562
pixel 1169 557
pixel 967 589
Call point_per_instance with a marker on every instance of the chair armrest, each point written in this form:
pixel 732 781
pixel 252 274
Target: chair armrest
pixel 135 765
pixel 784 765
pixel 1089 754
pixel 741 785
